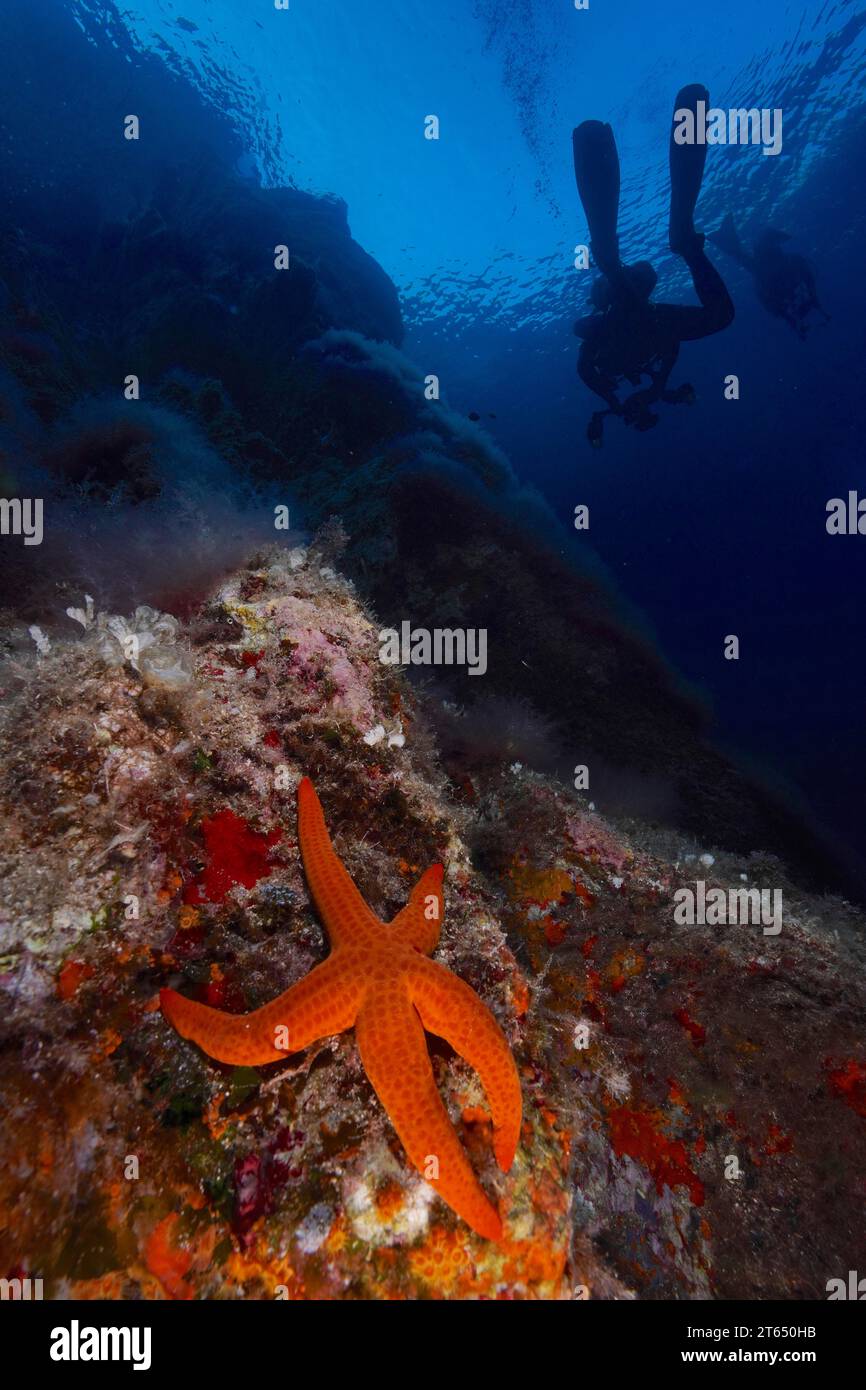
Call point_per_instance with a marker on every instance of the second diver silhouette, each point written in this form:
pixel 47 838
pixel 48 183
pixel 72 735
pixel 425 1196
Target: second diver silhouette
pixel 784 281
pixel 629 337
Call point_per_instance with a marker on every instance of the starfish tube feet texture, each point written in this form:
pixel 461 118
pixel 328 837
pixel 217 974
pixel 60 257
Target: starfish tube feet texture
pixel 378 981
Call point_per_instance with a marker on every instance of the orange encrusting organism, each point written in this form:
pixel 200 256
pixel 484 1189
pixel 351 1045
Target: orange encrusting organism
pixel 377 980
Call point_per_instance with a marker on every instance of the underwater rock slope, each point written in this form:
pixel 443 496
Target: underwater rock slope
pixel 149 839
pixel 154 262
pixel 159 820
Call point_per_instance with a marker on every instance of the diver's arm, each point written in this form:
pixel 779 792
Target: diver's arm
pixel 717 308
pixel 635 405
pixel 597 381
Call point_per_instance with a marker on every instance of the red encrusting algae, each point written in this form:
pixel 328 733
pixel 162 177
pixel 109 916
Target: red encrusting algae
pixel 849 1082
pixel 695 1030
pixel 236 854
pixel 637 1134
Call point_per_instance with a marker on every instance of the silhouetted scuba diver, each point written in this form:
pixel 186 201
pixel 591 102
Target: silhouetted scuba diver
pixel 785 283
pixel 629 337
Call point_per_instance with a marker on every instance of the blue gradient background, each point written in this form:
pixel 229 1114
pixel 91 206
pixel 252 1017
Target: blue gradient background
pixel 714 523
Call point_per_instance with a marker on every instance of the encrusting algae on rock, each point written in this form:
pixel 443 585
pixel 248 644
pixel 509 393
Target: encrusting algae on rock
pixel 211 898
pixel 158 850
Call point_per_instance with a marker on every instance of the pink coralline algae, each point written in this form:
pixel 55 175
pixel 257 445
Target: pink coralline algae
pixel 318 661
pixel 594 840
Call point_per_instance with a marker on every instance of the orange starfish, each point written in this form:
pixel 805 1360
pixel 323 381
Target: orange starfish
pixel 377 980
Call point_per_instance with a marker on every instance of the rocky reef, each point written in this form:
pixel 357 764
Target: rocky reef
pixel 149 838
pixel 160 825
pixel 173 660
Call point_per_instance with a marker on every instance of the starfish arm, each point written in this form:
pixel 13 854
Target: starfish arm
pixel 342 909
pixel 394 1053
pixel 420 921
pixel 324 1002
pixel 453 1011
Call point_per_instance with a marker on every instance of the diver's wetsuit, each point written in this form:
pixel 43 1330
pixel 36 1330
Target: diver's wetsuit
pixel 633 337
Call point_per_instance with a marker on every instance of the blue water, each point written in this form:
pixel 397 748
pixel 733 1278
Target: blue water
pixel 714 523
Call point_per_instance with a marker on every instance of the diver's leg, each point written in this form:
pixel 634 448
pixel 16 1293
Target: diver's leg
pixel 711 291
pixel 686 323
pixel 687 169
pixel 596 168
pixel 709 285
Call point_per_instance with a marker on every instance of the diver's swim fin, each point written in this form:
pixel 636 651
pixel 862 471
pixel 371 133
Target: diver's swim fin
pixel 687 170
pixel 728 239
pixel 596 168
